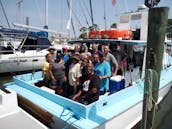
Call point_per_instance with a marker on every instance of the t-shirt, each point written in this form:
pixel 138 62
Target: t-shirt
pixel 65 57
pixel 74 73
pixel 112 60
pixel 85 74
pixel 93 82
pixel 117 55
pixel 45 69
pixel 58 70
pixel 102 69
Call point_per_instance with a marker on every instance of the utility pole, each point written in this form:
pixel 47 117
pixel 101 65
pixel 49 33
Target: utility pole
pixel 157 25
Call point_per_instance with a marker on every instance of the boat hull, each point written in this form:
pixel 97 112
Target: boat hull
pixel 122 109
pixel 29 60
pixel 133 115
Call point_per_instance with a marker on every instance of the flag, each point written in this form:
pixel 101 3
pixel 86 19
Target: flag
pixel 113 2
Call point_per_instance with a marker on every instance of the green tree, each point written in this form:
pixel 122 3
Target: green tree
pixel 83 34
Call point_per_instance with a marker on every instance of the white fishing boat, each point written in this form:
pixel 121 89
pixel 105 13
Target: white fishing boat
pixel 120 110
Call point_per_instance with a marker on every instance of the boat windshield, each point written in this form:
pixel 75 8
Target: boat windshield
pixel 35 44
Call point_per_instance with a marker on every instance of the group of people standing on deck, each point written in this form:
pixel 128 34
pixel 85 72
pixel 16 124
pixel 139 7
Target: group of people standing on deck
pixel 81 75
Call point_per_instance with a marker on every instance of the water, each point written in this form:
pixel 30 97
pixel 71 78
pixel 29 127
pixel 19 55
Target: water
pixel 164 114
pixel 4 78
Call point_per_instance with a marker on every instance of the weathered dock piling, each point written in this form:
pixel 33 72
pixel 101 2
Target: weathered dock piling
pixel 157 24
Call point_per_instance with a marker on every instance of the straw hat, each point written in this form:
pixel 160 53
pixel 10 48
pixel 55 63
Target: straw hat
pixel 75 57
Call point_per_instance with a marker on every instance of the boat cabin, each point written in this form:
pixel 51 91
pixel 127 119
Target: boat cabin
pixel 131 51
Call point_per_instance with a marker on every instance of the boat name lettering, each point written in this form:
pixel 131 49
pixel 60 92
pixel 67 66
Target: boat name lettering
pixel 20 60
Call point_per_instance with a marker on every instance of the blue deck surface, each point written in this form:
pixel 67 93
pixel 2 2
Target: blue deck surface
pixel 78 114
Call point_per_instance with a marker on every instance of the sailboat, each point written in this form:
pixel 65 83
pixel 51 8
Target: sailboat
pixel 23 50
pixel 28 54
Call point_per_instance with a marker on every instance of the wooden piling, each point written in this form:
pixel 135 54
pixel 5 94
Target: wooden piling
pixel 157 25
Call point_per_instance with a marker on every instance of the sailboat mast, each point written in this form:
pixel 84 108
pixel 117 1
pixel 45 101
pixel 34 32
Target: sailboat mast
pixel 46 14
pixel 69 3
pixel 105 15
pixel 92 20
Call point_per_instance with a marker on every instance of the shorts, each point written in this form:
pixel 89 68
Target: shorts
pixel 59 83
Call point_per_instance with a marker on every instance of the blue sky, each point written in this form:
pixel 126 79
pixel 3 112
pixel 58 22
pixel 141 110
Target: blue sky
pixel 58 12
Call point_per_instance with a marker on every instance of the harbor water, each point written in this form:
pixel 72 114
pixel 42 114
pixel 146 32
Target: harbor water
pixel 164 114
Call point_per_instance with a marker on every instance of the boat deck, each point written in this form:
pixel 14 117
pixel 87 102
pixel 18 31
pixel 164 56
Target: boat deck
pixel 105 107
pixel 71 113
pixel 20 120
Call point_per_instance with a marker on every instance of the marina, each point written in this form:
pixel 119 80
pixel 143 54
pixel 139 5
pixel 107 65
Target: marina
pixel 109 78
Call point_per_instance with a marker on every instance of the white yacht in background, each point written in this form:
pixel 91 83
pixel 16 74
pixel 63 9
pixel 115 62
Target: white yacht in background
pixel 28 55
pixel 25 50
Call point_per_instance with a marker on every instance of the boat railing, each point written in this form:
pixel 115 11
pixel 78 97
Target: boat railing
pixel 22 43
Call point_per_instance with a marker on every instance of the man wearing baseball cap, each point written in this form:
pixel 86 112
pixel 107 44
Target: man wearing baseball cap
pixel 65 55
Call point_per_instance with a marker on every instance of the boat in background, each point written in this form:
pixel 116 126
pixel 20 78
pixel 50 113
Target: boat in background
pixel 22 50
pixel 12 36
pixel 12 116
pixel 28 53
